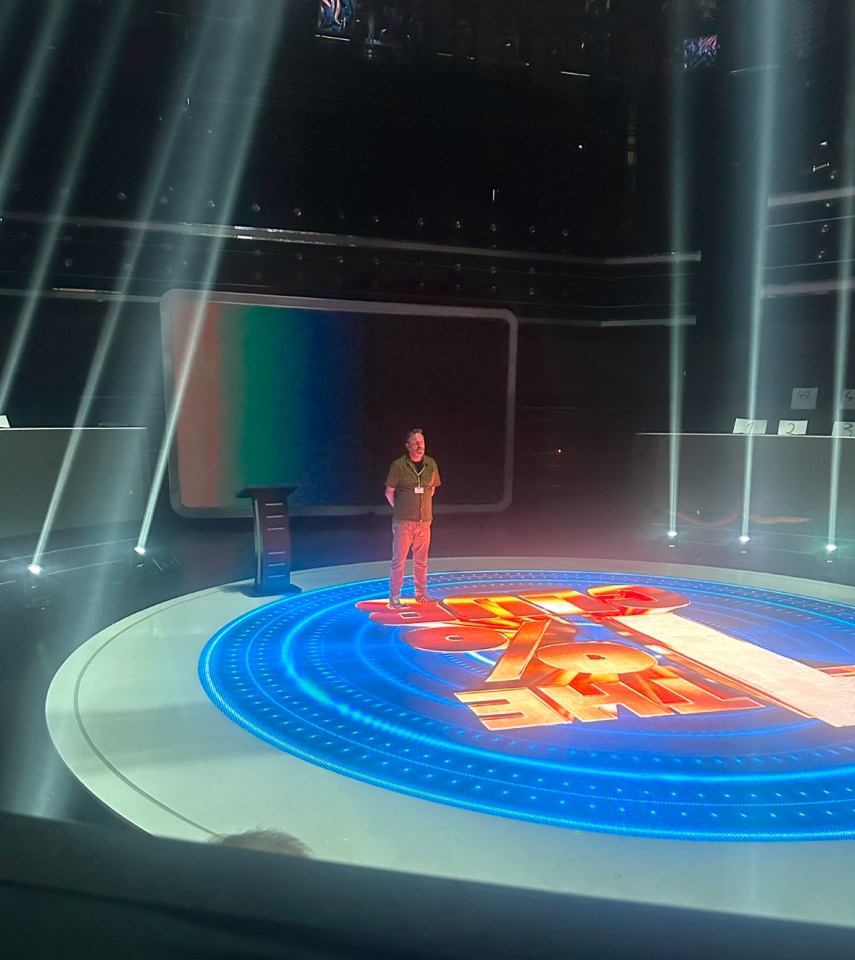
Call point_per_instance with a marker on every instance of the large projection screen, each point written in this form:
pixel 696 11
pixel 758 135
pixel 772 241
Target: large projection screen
pixel 319 393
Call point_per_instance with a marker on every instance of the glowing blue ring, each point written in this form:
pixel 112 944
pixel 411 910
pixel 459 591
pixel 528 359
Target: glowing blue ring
pixel 313 676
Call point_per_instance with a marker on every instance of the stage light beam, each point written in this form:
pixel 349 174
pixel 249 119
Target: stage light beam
pixel 762 128
pixel 843 303
pixel 259 54
pixel 678 231
pixel 81 139
pixel 108 330
pixel 16 131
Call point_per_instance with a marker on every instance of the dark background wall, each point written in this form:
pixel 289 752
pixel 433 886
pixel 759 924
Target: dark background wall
pixel 438 134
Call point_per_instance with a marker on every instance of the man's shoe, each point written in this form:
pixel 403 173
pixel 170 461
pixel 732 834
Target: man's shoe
pixel 426 598
pixel 396 603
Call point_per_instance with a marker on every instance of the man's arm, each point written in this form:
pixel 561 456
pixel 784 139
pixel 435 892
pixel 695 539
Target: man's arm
pixel 390 496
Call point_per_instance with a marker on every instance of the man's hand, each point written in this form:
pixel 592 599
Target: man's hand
pixel 390 496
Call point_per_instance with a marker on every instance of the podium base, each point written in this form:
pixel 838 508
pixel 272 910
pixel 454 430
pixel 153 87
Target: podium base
pixel 256 591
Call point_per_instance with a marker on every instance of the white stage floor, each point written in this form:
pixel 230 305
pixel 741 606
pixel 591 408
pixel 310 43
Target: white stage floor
pixel 130 717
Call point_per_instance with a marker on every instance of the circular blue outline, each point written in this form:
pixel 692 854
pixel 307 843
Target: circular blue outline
pixel 316 678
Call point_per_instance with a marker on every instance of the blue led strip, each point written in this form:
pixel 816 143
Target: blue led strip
pixel 313 676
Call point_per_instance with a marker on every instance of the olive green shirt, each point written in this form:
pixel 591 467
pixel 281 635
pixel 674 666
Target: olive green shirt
pixel 402 475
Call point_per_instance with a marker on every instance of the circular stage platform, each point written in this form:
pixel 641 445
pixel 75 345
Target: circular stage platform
pixel 668 734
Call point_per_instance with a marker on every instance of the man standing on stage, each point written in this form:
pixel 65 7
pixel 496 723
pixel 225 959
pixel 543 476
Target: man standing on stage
pixel 410 485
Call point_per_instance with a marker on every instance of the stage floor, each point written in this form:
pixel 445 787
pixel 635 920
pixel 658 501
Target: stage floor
pixel 462 739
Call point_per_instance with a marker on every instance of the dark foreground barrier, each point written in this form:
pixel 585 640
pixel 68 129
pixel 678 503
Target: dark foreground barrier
pixel 79 890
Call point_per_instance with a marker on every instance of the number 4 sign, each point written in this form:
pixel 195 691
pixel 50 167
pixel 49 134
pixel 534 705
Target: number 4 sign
pixel 804 398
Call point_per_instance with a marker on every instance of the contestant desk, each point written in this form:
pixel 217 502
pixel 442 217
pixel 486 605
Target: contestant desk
pixel 790 478
pixel 107 483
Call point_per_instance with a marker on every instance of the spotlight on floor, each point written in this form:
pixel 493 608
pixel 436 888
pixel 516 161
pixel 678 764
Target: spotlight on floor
pixel 148 564
pixel 38 592
pixel 836 563
pixel 672 539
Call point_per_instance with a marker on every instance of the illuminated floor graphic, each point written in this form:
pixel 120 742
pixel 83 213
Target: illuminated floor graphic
pixel 497 759
pixel 663 751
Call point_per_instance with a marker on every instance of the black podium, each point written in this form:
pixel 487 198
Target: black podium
pixel 272 539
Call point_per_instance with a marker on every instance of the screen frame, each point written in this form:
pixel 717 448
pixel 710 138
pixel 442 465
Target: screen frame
pixel 243 508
